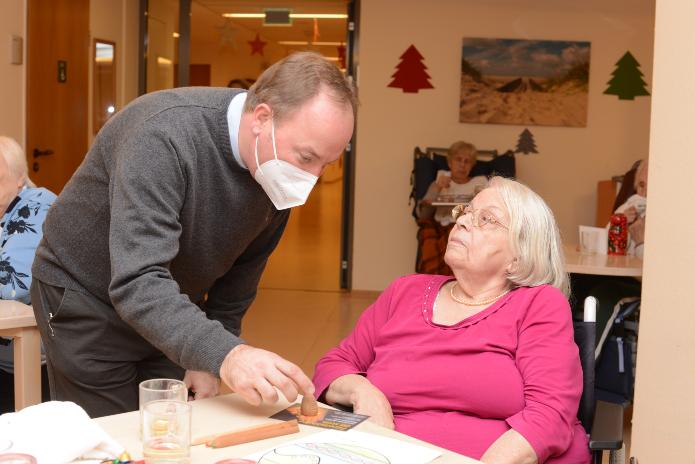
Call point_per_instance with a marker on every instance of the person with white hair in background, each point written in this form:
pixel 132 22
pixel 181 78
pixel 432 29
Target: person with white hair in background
pixel 24 209
pixel 635 208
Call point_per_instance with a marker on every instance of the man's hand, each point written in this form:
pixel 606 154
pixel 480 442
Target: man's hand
pixel 253 373
pixel 204 384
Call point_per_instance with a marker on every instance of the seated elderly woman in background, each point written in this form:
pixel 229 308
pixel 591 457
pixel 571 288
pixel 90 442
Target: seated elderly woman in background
pixel 24 207
pixel 483 363
pixel 436 222
pixel 461 158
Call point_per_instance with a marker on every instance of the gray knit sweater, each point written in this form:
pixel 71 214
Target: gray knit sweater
pixel 159 214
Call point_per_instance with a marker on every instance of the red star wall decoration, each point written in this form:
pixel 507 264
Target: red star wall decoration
pixel 257 45
pixel 341 55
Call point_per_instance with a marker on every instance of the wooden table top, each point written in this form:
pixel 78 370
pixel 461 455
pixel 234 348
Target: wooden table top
pixel 606 265
pixel 14 315
pixel 230 412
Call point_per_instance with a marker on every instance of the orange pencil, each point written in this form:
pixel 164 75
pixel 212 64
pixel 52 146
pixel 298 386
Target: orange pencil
pixel 258 432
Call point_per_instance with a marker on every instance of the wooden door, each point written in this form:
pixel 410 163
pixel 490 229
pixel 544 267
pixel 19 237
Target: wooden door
pixel 57 89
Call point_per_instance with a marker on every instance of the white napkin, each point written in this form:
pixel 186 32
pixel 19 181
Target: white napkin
pixel 57 432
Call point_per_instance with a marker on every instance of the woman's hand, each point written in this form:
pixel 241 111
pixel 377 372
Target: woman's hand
pixel 443 182
pixel 636 230
pixel 357 391
pixel 631 214
pixel 510 448
pixel 370 401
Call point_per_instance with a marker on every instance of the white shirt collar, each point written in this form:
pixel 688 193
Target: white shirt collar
pixel 236 107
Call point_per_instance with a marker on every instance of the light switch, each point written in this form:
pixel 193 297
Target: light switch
pixel 17 52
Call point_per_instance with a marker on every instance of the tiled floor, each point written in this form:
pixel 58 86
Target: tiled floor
pixel 302 325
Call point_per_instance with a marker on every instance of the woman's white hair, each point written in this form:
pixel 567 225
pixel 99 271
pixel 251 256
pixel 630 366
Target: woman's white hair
pixel 534 236
pixel 14 156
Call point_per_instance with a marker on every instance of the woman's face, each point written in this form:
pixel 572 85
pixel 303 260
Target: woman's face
pixel 460 165
pixel 482 251
pixel 641 181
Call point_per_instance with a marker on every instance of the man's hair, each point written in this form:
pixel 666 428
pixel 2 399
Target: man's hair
pixel 292 81
pixel 461 147
pixel 14 156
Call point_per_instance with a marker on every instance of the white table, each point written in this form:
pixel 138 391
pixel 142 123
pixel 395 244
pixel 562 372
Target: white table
pixel 17 321
pixel 605 265
pixel 229 412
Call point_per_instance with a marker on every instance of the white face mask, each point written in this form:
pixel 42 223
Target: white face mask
pixel 285 184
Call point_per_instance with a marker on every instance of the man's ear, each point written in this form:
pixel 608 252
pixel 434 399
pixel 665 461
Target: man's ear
pixel 261 115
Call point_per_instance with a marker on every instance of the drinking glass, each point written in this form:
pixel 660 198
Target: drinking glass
pixel 166 430
pixel 160 389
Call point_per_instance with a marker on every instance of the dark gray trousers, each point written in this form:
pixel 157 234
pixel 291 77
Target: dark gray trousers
pixel 94 358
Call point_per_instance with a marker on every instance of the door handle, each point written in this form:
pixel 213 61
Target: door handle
pixel 38 152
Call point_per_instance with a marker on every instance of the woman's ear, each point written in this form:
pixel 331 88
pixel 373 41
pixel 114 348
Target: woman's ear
pixel 512 266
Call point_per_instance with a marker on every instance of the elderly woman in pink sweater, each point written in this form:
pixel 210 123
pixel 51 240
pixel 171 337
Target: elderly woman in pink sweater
pixel 483 363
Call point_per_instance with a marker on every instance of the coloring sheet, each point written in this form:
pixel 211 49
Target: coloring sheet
pixel 351 447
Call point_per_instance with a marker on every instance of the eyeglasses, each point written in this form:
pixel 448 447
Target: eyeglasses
pixel 479 217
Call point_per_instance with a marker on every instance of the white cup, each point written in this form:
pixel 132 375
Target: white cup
pixel 593 240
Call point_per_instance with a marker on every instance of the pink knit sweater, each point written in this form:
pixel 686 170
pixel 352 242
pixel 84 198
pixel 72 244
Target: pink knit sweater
pixel 513 365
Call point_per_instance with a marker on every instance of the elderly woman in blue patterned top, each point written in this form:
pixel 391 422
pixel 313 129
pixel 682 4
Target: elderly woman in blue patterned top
pixel 24 209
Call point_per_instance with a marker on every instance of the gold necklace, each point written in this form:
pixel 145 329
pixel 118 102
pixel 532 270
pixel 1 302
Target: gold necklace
pixel 475 303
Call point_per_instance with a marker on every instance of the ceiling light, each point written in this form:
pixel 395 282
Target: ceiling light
pixel 175 35
pixel 292 15
pixel 164 61
pixel 244 15
pixel 317 16
pixel 304 42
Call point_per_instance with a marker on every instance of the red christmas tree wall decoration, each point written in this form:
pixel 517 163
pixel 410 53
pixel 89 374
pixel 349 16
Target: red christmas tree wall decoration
pixel 410 73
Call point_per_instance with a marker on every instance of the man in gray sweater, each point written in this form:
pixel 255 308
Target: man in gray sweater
pixel 152 253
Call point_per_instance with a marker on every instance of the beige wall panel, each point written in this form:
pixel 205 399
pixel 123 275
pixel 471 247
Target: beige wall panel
pixel 571 160
pixel 664 410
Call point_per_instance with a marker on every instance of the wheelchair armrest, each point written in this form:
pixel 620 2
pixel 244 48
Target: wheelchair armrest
pixel 607 430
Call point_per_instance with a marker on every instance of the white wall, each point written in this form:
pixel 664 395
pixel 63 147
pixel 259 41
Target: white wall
pixel 391 123
pixel 12 76
pixel 664 410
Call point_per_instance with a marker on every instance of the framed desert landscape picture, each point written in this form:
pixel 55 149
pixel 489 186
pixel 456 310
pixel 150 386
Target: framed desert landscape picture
pixel 524 82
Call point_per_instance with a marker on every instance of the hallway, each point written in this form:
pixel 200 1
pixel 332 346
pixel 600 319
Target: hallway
pixel 308 256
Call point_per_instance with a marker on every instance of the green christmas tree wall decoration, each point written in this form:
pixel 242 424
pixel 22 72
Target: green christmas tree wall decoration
pixel 627 80
pixel 526 144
